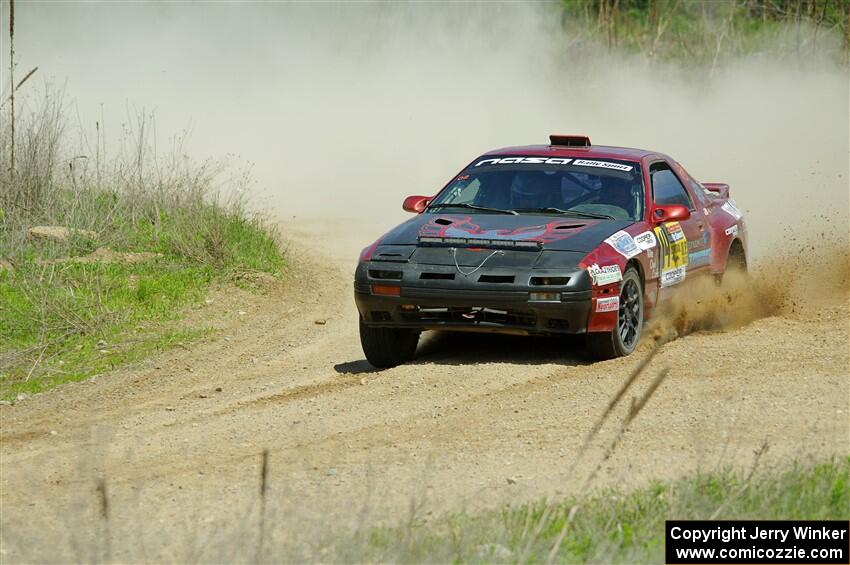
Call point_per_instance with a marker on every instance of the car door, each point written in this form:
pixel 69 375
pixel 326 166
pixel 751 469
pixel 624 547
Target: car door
pixel 684 246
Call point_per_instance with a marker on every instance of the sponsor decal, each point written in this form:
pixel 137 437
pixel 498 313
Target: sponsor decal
pixel 699 258
pixel 646 241
pixel 733 231
pixel 605 275
pixel 673 276
pixel 602 164
pixel 525 161
pixel 624 244
pixel 673 251
pixel 611 304
pixel 729 208
pixel 674 229
pixel 698 243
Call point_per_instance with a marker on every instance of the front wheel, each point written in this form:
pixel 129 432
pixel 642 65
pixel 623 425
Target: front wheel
pixel 388 347
pixel 736 267
pixel 623 339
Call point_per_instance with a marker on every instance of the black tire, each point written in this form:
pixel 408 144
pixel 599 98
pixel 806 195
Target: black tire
pixel 623 339
pixel 731 282
pixel 388 347
pixel 736 263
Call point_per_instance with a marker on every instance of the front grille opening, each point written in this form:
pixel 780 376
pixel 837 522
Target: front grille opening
pixel 496 279
pixel 471 316
pixel 438 276
pixel 385 275
pixel 549 281
pixel 556 324
pixel 377 316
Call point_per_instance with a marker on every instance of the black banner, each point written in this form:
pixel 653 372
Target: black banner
pixel 757 541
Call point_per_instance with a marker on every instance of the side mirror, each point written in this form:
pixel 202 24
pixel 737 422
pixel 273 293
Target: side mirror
pixel 670 213
pixel 416 204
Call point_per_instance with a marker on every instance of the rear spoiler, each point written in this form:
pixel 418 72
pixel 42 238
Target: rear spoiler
pixel 719 188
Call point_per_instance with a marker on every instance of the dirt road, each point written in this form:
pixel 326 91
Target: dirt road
pixel 474 421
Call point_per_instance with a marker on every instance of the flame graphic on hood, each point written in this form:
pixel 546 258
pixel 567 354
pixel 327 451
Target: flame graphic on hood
pixel 446 226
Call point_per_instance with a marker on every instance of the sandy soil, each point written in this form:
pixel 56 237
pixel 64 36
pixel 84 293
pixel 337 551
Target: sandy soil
pixel 475 421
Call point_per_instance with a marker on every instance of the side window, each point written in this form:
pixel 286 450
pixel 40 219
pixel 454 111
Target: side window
pixel 666 188
pixel 700 192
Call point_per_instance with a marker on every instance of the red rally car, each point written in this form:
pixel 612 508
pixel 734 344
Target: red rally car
pixel 564 238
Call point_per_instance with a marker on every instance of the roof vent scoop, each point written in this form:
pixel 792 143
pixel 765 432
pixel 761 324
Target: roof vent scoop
pixel 569 140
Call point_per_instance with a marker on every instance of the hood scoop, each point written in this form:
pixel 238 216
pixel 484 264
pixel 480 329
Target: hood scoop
pixel 569 226
pixel 444 221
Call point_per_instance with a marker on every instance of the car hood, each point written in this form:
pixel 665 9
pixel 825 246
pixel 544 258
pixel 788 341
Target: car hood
pixel 556 233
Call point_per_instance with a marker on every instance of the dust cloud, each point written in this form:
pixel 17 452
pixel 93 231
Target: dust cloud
pixel 343 109
pixel 795 285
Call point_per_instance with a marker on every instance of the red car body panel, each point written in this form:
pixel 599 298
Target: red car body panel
pixel 708 223
pixel 714 226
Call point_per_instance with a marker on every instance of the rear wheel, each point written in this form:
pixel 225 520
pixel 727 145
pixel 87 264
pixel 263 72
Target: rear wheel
pixel 623 339
pixel 388 347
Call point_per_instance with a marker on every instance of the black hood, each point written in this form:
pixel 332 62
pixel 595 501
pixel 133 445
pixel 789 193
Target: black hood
pixel 557 233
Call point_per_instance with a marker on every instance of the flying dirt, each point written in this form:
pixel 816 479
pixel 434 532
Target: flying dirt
pixel 340 131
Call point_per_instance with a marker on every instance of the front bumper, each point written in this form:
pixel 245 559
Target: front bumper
pixel 491 299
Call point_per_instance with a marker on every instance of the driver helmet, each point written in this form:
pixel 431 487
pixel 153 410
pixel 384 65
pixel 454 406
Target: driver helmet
pixel 533 189
pixel 616 192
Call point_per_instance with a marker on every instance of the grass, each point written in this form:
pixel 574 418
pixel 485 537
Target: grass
pixel 62 322
pixel 611 526
pixel 67 322
pixel 65 317
pixel 701 32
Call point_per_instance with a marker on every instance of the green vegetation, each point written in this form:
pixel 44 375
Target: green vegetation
pixel 707 31
pixel 148 236
pixel 611 526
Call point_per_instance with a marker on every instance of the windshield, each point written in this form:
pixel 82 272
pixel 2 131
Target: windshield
pixel 594 188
